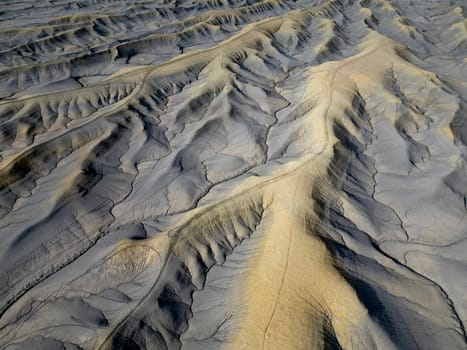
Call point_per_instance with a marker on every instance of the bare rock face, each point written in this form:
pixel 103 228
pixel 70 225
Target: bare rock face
pixel 233 174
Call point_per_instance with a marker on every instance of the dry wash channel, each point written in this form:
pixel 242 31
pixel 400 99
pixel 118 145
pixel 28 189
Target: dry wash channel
pixel 233 174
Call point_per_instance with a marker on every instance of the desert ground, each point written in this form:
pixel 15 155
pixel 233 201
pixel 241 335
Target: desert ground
pixel 233 174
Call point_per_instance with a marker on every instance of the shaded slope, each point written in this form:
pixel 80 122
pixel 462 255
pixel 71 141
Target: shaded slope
pixel 294 178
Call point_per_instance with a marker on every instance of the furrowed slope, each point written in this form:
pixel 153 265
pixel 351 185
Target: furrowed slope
pixel 233 174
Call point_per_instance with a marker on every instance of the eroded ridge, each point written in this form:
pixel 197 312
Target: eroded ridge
pixel 233 174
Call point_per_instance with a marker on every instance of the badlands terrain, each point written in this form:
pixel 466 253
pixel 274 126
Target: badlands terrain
pixel 233 174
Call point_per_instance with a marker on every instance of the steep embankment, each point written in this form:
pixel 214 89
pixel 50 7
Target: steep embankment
pixel 233 174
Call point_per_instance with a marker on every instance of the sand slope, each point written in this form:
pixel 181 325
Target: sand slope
pixel 233 174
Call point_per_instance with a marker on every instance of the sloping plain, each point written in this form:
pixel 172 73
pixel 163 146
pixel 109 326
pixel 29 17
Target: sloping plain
pixel 233 174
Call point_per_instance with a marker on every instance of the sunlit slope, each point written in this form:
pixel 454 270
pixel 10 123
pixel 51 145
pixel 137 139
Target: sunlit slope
pixel 233 175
